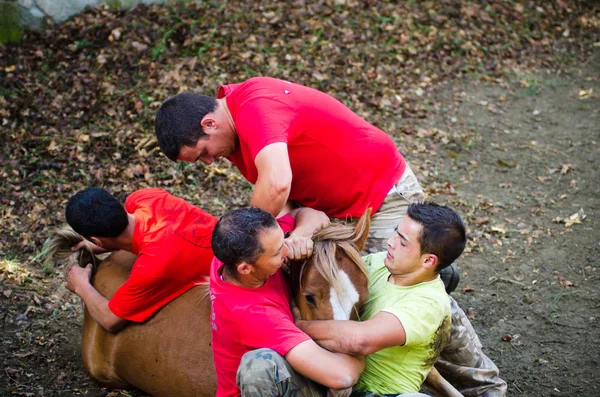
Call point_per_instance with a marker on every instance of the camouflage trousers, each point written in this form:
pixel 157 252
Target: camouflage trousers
pixel 462 362
pixel 264 372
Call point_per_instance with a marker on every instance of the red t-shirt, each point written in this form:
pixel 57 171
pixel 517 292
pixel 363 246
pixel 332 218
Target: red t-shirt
pixel 245 319
pixel 172 239
pixel 340 164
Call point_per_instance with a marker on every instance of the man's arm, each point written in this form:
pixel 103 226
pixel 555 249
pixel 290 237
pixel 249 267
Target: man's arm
pixel 352 337
pixel 333 370
pixel 274 178
pixel 78 281
pixel 308 221
pixel 300 242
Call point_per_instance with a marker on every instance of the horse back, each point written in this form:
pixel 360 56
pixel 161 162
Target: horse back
pixel 167 355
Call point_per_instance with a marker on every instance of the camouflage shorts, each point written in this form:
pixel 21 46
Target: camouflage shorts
pixel 264 372
pixel 405 192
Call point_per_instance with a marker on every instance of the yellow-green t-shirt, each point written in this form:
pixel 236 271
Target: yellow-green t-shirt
pixel 424 311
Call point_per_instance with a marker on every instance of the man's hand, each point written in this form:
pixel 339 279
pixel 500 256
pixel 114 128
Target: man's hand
pixel 91 246
pixel 300 247
pixel 78 276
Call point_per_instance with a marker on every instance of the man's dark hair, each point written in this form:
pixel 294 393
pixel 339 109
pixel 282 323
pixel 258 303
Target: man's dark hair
pixel 178 121
pixel 96 212
pixel 236 236
pixel 443 232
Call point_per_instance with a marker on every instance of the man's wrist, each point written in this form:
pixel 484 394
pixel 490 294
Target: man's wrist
pixel 81 286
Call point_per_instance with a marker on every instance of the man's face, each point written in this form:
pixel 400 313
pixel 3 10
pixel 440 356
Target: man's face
pixel 404 252
pixel 219 141
pixel 207 149
pixel 271 240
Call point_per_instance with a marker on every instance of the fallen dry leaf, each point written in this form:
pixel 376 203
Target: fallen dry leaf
pixel 566 168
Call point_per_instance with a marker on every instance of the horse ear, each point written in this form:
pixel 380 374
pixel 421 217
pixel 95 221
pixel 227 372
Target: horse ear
pixel 362 230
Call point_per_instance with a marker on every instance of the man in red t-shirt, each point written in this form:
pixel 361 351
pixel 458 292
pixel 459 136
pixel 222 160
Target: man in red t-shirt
pixel 250 311
pixel 170 237
pixel 294 143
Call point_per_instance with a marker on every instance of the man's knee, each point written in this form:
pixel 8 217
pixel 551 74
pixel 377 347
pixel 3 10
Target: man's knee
pixel 260 371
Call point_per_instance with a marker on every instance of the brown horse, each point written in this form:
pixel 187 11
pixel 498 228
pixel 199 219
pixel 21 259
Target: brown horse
pixel 170 354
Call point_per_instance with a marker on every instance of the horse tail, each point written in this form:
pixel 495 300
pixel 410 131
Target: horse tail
pixel 57 249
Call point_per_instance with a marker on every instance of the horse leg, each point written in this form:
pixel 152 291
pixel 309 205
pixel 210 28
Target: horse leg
pixel 442 388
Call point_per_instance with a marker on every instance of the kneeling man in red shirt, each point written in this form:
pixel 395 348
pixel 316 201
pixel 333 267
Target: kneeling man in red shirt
pixel 250 311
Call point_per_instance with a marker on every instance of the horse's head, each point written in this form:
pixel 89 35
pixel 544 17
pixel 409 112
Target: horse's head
pixel 333 283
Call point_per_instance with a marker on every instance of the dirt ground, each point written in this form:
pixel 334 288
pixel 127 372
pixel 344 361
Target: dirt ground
pixel 533 166
pixel 518 157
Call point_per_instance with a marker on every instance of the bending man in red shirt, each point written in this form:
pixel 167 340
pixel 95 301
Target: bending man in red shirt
pixel 250 311
pixel 170 237
pixel 294 143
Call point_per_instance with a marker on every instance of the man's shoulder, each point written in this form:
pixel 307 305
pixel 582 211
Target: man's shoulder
pixel 147 193
pixel 375 262
pixel 375 259
pixel 143 197
pixel 429 299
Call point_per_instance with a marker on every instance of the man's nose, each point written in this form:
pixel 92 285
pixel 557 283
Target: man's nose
pixel 390 242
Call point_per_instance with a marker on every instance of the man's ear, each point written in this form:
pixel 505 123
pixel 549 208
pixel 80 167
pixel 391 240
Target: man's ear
pixel 245 268
pixel 431 261
pixel 96 241
pixel 208 122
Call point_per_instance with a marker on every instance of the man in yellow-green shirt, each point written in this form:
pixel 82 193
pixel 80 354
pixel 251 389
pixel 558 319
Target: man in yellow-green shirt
pixel 406 320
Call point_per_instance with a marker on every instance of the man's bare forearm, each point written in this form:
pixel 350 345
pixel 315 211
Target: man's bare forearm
pixel 97 305
pixel 270 198
pixel 308 220
pixel 335 335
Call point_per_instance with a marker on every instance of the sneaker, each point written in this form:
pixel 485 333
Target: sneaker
pixel 450 276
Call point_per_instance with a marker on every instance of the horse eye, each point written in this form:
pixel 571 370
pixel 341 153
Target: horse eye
pixel 310 299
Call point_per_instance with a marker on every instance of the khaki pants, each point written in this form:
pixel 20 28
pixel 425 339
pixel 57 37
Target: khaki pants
pixel 405 192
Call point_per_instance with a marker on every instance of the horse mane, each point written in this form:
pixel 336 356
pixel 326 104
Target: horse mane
pixel 57 249
pixel 327 241
pixel 204 288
